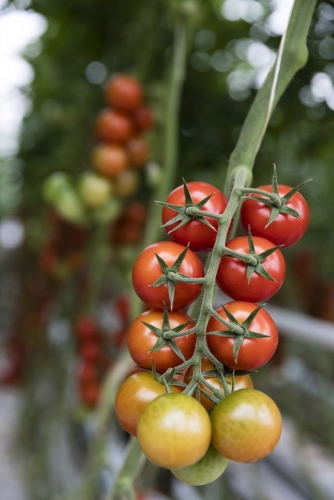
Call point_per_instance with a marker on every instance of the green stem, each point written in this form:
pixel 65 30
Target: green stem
pixel 134 460
pixel 292 56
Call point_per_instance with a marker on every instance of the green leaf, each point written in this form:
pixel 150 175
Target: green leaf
pixel 153 329
pixel 171 292
pixel 176 349
pixel 164 267
pixel 158 345
pixel 236 347
pixel 251 317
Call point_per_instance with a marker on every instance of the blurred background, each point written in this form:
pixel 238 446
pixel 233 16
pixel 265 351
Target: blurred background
pixel 68 239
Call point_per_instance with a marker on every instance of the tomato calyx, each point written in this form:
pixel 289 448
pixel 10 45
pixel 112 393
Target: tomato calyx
pixel 188 211
pixel 278 204
pixel 166 334
pixel 252 261
pixel 171 275
pixel 239 331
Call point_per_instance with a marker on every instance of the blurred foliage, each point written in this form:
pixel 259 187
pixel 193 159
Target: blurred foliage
pixel 67 94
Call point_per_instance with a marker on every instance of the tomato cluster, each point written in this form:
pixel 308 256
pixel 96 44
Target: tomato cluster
pixel 212 358
pixel 121 150
pixel 121 129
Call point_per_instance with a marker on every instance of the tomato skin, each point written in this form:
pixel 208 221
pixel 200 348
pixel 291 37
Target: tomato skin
pixel 205 471
pixel 198 235
pixel 254 352
pixel 90 351
pixel 285 229
pixel 133 395
pixel 123 92
pixel 90 393
pixel 110 159
pixel 240 382
pixel 146 271
pixel 112 126
pixel 174 431
pixel 246 425
pixel 138 151
pixel 232 278
pixel 143 119
pixel 141 339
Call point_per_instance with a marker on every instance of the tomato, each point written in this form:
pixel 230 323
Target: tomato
pixel 174 431
pixel 143 119
pixel 147 270
pixel 123 92
pixel 110 159
pixel 285 229
pixel 126 183
pixel 88 372
pixel 205 471
pixel 240 382
pixel 94 190
pixel 90 351
pixel 138 151
pixel 254 352
pixel 232 272
pixel 133 395
pixel 90 393
pixel 136 211
pixel 246 426
pixel 141 339
pixel 196 233
pixel 86 328
pixel 112 126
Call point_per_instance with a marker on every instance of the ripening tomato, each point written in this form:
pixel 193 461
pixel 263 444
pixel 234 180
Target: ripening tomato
pixel 123 92
pixel 94 190
pixel 174 431
pixel 199 236
pixel 240 382
pixel 110 159
pixel 254 352
pixel 133 395
pixel 147 270
pixel 232 272
pixel 246 426
pixel 285 229
pixel 138 151
pixel 205 471
pixel 112 126
pixel 141 339
pixel 143 119
pixel 126 183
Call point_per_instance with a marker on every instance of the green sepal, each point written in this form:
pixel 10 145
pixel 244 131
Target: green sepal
pixel 236 347
pixel 252 316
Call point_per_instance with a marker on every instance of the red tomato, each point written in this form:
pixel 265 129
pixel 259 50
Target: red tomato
pixel 285 229
pixel 134 394
pixel 143 119
pixel 110 159
pixel 240 382
pixel 232 272
pixel 141 339
pixel 90 393
pixel 90 351
pixel 88 372
pixel 254 352
pixel 138 151
pixel 113 126
pixel 147 270
pixel 246 426
pixel 123 92
pixel 198 235
pixel 86 328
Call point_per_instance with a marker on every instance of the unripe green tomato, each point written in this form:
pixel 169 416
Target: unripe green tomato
pixel 94 190
pixel 70 207
pixel 205 471
pixel 54 185
pixel 108 212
